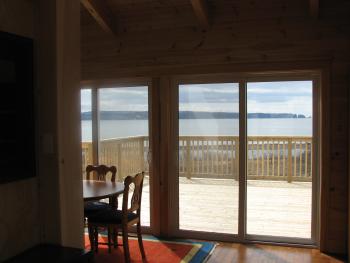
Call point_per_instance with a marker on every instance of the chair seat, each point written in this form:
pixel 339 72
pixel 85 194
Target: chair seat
pixel 92 208
pixel 110 216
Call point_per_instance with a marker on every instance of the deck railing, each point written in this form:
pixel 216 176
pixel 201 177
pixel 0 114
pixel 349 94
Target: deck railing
pixel 128 154
pixel 269 157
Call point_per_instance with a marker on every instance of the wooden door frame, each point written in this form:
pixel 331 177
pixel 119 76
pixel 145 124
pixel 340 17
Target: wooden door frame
pixel 153 130
pixel 319 151
pixel 162 154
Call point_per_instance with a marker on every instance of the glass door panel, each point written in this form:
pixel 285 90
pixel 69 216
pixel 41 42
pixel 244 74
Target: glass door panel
pixel 86 129
pixel 279 158
pixel 123 132
pixel 208 157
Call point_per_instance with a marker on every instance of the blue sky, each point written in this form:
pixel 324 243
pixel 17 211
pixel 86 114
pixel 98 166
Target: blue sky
pixel 267 97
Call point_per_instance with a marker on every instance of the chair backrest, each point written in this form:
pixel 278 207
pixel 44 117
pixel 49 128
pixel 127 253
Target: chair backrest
pixel 101 172
pixel 136 182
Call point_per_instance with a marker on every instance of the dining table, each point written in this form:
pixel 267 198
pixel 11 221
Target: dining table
pixel 96 190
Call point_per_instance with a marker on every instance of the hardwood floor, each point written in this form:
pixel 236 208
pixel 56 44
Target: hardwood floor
pixel 256 253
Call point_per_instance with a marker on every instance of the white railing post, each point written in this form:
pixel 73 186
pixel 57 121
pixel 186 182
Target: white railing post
pixel 236 161
pixel 188 159
pixel 289 175
pixel 141 154
pixel 119 163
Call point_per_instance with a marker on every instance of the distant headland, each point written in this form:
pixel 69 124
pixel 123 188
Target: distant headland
pixel 143 115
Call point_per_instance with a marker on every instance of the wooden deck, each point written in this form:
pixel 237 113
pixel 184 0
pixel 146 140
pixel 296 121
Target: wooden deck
pixel 276 208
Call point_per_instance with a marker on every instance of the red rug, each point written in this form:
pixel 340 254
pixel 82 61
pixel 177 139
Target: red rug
pixel 169 251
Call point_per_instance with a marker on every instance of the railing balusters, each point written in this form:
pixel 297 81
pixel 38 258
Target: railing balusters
pixel 193 154
pixel 278 159
pixel 295 159
pixel 214 156
pixel 119 163
pixel 306 159
pixel 130 152
pixel 236 157
pixel 197 156
pixel 284 159
pixel 232 159
pixel 202 157
pixel 211 157
pixel 217 157
pixel 273 158
pixel 267 159
pixel 262 158
pixel 184 157
pixel 126 160
pixel 289 161
pixel 207 163
pixel 227 160
pixel 197 145
pixel 223 150
pixel 300 158
pixel 206 154
pixel 257 157
pixel 221 156
pixel 188 158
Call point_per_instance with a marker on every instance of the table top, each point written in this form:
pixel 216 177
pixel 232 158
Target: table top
pixel 96 190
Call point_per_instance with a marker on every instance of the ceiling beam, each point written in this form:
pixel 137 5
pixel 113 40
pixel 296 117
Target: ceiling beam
pixel 200 8
pixel 314 8
pixel 102 14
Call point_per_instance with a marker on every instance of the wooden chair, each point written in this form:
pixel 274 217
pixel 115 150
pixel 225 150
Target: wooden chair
pixel 101 172
pixel 116 219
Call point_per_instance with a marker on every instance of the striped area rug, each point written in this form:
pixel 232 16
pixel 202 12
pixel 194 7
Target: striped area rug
pixel 157 250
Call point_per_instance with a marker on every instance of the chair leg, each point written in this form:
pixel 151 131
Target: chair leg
pixel 109 233
pixel 115 237
pixel 126 244
pixel 96 238
pixel 91 238
pixel 113 201
pixel 139 237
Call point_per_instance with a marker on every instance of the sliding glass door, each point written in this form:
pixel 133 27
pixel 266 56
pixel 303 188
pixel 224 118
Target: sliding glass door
pixel 86 129
pixel 235 156
pixel 208 157
pixel 246 160
pixel 279 159
pixel 115 132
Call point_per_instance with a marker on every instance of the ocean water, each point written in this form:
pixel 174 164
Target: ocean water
pixel 256 127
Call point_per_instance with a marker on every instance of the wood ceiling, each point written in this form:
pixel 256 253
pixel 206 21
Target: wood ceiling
pixel 121 16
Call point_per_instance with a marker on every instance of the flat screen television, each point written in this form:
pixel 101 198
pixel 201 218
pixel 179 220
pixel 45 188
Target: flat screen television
pixel 17 127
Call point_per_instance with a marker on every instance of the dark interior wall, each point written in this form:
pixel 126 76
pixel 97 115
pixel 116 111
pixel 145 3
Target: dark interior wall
pixel 19 227
pixel 287 36
pixel 49 207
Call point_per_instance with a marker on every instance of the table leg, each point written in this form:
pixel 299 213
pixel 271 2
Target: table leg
pixel 113 201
